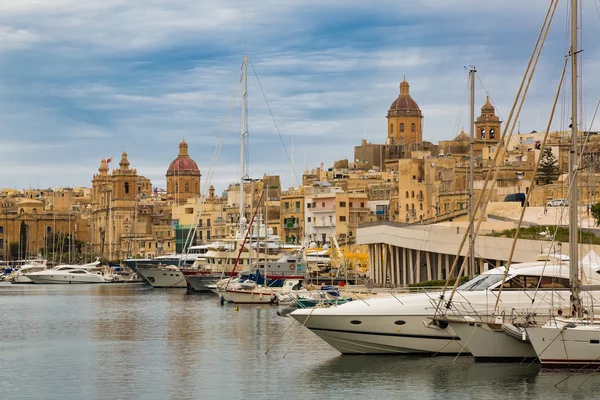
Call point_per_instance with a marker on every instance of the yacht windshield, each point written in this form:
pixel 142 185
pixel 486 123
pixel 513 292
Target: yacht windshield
pixel 481 282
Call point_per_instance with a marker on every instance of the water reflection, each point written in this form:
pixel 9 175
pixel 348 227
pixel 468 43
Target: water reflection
pixel 98 342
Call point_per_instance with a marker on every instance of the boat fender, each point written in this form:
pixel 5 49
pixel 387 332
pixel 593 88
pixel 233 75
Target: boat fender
pixel 222 300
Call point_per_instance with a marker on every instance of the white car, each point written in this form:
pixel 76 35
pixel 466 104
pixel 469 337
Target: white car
pixel 558 203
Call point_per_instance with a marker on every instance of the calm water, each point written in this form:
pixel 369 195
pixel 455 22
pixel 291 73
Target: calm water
pixel 111 342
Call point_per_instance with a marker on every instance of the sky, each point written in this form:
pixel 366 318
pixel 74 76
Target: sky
pixel 86 80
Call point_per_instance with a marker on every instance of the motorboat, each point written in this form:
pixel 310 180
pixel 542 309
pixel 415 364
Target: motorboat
pixel 164 276
pixel 64 274
pixel 402 324
pixel 195 254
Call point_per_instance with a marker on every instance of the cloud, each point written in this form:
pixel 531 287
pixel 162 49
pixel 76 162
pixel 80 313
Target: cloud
pixel 86 80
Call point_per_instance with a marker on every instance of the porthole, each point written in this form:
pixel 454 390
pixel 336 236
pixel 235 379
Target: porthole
pixel 355 322
pixel 399 323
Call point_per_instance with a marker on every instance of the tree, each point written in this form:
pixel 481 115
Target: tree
pixel 548 171
pixel 596 213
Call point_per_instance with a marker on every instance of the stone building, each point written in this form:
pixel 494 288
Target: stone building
pixel 115 214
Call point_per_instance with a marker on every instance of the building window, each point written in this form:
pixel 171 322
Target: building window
pixel 342 204
pixel 323 204
pixel 407 194
pixel 307 205
pixel 208 222
pixel 362 205
pixel 207 235
pixel 1 243
pixel 199 235
pixel 401 127
pixel 350 205
pixel 297 206
pixel 483 133
pixel 412 194
pixel 187 187
pixel 421 206
pixel 286 206
pixel 200 223
pixel 126 187
pixel 342 218
pixel 413 127
pixel 492 134
pixel 308 219
pixel 391 128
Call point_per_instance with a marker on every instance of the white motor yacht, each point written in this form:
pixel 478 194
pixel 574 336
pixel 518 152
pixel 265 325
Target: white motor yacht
pixel 164 276
pixel 66 274
pixel 403 323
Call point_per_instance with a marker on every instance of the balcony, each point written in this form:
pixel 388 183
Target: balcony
pixel 291 226
pixel 323 209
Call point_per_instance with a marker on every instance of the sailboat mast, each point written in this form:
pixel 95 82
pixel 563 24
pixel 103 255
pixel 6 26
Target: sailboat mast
pixel 573 244
pixel 244 131
pixel 471 269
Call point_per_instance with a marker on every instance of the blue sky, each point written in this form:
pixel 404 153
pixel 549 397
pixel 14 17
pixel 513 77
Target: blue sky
pixel 82 81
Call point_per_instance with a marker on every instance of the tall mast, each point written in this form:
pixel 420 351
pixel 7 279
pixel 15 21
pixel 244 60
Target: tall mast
pixel 244 131
pixel 471 268
pixel 573 245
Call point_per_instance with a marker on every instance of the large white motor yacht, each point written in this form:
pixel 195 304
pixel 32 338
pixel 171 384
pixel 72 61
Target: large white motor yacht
pixel 66 274
pixel 403 323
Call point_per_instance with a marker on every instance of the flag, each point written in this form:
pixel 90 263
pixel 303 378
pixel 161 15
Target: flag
pixel 109 160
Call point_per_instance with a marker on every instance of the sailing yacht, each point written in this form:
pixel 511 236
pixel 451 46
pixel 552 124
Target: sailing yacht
pixel 571 341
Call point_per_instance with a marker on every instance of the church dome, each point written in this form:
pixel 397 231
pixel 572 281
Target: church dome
pixel 183 164
pixel 404 102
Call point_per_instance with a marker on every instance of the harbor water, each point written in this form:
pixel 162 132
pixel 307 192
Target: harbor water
pixel 135 342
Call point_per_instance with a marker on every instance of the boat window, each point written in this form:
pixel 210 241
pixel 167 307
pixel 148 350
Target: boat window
pixel 529 281
pixel 355 322
pixel 400 322
pixel 77 272
pixel 481 282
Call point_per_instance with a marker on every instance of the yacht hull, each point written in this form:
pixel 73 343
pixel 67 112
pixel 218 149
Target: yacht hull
pixel 66 279
pixel 160 278
pixel 379 334
pixel 566 348
pixel 488 342
pixel 250 297
pixel 201 283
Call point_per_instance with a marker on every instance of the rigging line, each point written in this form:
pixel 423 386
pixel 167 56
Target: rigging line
pixel 488 175
pixel 460 111
pixel 531 187
pixel 211 169
pixel 504 140
pixel 275 122
pixel 488 94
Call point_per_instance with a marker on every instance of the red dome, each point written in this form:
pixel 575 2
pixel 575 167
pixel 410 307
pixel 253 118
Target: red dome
pixel 183 164
pixel 404 103
pixel 180 165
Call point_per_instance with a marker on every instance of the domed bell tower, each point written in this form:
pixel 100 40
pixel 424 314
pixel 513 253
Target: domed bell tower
pixel 487 125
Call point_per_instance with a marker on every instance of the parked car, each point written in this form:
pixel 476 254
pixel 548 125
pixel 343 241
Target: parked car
pixel 558 203
pixel 520 197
